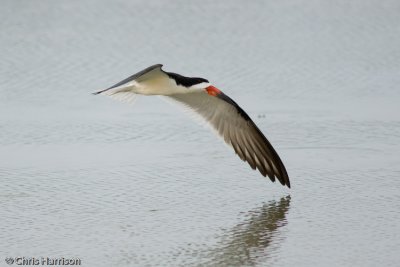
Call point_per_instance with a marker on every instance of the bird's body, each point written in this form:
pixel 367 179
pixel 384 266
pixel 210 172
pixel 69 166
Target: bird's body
pixel 222 113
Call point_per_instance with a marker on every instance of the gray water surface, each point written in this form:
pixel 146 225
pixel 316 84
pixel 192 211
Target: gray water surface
pixel 113 184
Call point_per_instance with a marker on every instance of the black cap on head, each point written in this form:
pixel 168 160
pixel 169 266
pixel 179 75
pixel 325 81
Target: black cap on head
pixel 185 81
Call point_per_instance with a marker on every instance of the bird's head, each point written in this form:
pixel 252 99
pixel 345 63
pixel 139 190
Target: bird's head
pixel 205 85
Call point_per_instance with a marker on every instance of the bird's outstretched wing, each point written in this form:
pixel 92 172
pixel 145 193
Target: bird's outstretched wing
pixel 122 90
pixel 238 130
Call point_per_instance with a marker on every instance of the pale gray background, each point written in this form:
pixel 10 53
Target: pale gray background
pixel 119 185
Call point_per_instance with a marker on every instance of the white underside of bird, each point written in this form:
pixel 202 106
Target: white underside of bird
pixel 211 105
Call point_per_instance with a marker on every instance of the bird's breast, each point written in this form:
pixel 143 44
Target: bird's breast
pixel 162 87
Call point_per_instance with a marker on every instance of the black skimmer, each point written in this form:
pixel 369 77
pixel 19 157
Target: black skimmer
pixel 226 117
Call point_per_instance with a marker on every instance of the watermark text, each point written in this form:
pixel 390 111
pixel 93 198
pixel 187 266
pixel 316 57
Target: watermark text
pixel 43 261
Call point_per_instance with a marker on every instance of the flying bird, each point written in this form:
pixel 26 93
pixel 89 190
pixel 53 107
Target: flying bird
pixel 217 109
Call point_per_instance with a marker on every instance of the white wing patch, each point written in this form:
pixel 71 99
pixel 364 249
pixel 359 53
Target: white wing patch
pixel 206 110
pixel 190 112
pixel 194 111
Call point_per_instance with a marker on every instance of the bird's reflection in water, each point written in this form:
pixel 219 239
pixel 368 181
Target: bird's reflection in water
pixel 253 240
